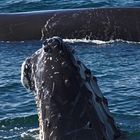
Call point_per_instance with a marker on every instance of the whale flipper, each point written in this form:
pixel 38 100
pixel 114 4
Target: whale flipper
pixel 70 103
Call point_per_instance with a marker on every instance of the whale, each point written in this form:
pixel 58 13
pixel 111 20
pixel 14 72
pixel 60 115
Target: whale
pixel 95 24
pixel 70 103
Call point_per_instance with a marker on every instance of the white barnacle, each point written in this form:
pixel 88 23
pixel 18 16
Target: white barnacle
pixel 51 77
pixel 51 133
pixel 48 122
pixel 52 66
pixel 45 61
pixel 26 66
pixel 57 72
pixel 51 58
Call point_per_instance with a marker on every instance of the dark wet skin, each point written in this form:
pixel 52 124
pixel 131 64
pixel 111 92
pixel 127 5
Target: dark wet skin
pixel 98 24
pixel 70 103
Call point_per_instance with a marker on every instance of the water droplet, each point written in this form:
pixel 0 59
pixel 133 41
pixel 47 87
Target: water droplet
pixel 48 123
pixel 26 66
pixel 56 72
pixel 64 64
pixel 51 58
pixel 51 77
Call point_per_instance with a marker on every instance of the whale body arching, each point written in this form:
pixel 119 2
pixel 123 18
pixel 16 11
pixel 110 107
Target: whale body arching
pixel 99 24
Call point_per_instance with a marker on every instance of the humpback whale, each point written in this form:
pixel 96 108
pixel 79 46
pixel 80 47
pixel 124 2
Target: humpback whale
pixel 70 103
pixel 98 24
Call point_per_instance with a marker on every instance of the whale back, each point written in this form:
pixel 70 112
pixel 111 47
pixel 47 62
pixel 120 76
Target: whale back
pixel 98 24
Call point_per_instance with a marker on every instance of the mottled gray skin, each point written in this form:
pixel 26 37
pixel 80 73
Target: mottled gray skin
pixel 70 103
pixel 98 24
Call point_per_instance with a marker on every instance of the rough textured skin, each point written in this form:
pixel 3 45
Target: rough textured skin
pixel 100 24
pixel 70 103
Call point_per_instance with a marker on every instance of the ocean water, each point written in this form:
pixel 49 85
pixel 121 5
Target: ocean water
pixel 33 5
pixel 115 64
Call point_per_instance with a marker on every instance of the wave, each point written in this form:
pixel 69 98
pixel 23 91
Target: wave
pixel 19 121
pixel 31 134
pixel 84 40
pixel 98 42
pixel 24 128
pixel 33 5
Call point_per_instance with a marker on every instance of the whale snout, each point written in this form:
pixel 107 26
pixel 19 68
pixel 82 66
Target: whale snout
pixel 52 43
pixel 42 64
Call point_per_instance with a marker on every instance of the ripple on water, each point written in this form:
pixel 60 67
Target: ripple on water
pixel 34 5
pixel 116 66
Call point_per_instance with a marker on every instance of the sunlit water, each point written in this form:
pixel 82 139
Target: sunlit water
pixel 33 5
pixel 116 66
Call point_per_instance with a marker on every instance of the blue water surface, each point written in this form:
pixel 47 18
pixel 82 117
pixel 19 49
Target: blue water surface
pixel 34 5
pixel 116 66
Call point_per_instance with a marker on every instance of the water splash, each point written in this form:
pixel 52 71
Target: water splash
pixel 98 42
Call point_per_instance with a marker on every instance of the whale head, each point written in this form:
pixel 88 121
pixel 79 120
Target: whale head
pixel 70 103
pixel 40 63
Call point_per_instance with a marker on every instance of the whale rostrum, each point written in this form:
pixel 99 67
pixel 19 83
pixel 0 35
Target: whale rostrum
pixel 70 103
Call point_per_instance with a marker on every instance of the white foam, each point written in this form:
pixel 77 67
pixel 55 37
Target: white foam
pixel 23 81
pixel 84 40
pixel 32 134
